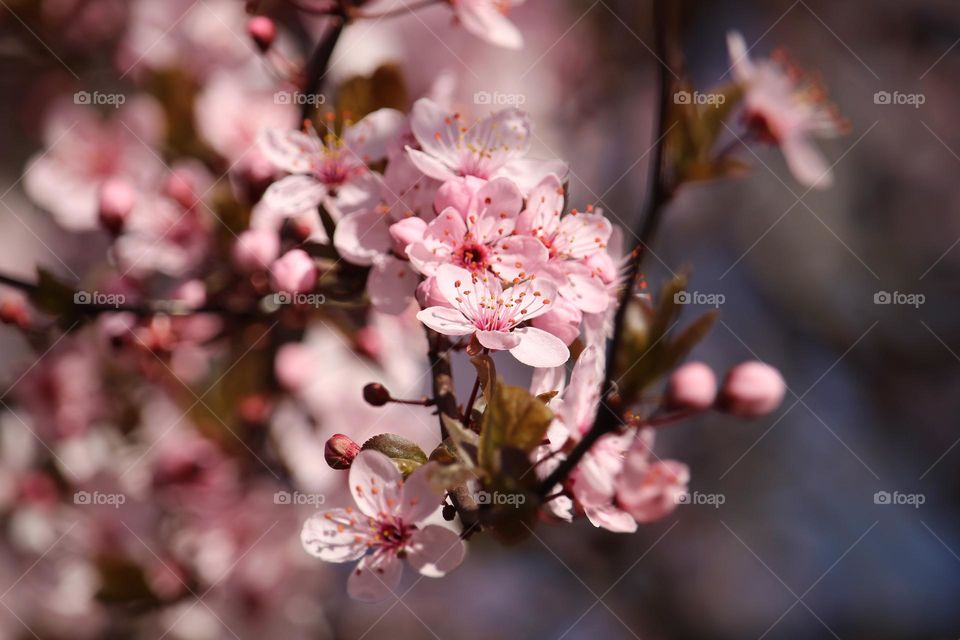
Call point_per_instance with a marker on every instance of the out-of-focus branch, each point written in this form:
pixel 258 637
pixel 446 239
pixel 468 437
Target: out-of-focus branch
pixel 608 417
pixel 320 60
pixel 446 401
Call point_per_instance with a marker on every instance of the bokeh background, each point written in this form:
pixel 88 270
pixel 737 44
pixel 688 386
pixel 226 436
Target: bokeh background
pixel 800 547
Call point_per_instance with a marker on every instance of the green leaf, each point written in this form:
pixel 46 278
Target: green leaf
pixel 406 454
pixel 514 418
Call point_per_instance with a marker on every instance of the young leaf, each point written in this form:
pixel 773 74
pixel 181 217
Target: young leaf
pixel 514 418
pixel 406 454
pixel 487 372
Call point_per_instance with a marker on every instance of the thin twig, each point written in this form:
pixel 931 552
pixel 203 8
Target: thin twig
pixel 319 63
pixel 608 419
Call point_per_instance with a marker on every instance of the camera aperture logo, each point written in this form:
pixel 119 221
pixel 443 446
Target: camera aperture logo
pixel 297 498
pixel 299 299
pixel 99 299
pixel 897 498
pixel 498 498
pixel 96 498
pixel 699 298
pixel 915 100
pixel 909 299
pixel 95 98
pixel 299 99
pixel 499 99
pixel 715 100
pixel 714 500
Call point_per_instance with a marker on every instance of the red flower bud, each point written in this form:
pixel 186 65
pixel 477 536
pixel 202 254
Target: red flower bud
pixel 376 394
pixel 340 451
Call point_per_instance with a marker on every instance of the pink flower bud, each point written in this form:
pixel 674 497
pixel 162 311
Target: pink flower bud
pixel 13 311
pixel 340 451
pixel 692 386
pixel 294 272
pixel 117 199
pixel 751 390
pixel 407 231
pixel 428 294
pixel 263 30
pixel 193 293
pixel 294 366
pixel 181 185
pixel 376 394
pixel 255 249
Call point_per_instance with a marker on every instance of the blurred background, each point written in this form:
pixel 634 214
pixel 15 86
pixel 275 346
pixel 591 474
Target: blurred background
pixel 835 517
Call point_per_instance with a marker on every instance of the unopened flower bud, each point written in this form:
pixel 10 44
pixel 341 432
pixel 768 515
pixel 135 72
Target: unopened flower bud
pixel 407 231
pixel 692 386
pixel 340 451
pixel 13 310
pixel 255 249
pixel 429 295
pixel 751 390
pixel 376 394
pixel 294 272
pixel 263 30
pixel 117 199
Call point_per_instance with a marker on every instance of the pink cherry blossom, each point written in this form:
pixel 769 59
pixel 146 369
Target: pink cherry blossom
pixel 333 170
pixel 477 234
pixel 481 307
pixel 648 490
pixel 495 146
pixel 487 19
pixel 692 386
pixel 571 240
pixel 788 109
pixel 386 525
pixel 255 249
pixel 83 151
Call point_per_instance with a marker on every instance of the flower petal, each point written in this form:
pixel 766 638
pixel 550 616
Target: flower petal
pixel 538 348
pixel 420 499
pixel 449 322
pixel 485 20
pixel 295 194
pixel 391 285
pixel 498 340
pixel 544 208
pixel 435 551
pixel 369 138
pixel 518 257
pixel 612 519
pixel 375 577
pixel 527 173
pixel 289 150
pixel 337 535
pixel 362 236
pixel 806 162
pixel 376 484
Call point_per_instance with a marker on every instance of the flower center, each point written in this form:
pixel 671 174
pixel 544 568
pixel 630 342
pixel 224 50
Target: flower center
pixel 759 125
pixel 472 256
pixel 392 535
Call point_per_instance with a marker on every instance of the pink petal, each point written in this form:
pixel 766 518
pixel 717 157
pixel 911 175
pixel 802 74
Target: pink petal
pixel 585 289
pixel 290 150
pixel 375 578
pixel 438 134
pixel 449 322
pixel 391 285
pixel 583 235
pixel 498 340
pixel 376 484
pixel 806 162
pixel 538 348
pixel 435 551
pixel 369 137
pixel 420 499
pixel 612 519
pixel 295 194
pixel 544 207
pixel 457 286
pixel 743 69
pixel 407 232
pixel 527 173
pixel 497 203
pixel 362 236
pixel 336 535
pixel 518 257
pixel 485 20
pixel 651 491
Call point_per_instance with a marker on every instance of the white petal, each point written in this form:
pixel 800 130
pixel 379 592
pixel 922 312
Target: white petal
pixel 430 166
pixel 375 577
pixel 376 484
pixel 806 162
pixel 337 535
pixel 449 322
pixel 527 173
pixel 498 340
pixel 743 70
pixel 611 519
pixel 485 20
pixel 435 551
pixel 289 150
pixel 362 236
pixel 538 348
pixel 369 137
pixel 295 194
pixel 420 499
